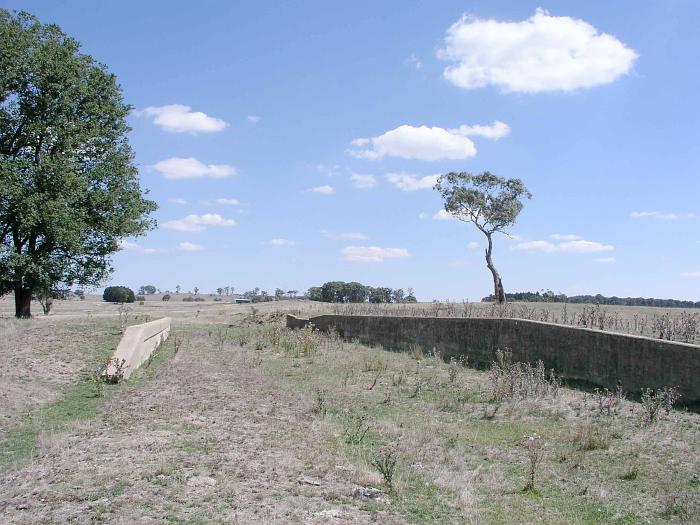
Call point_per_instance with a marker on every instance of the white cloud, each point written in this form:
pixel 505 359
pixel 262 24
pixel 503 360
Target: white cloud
pixel 188 168
pixel 189 247
pixel 329 170
pixel 414 62
pixel 565 237
pixel 178 118
pixel 253 119
pixel 496 131
pixel 363 182
pixel 372 253
pixel 577 246
pixel 343 235
pixel 133 247
pixel 406 182
pixel 420 143
pixel 542 53
pixel 472 245
pixel 605 260
pixel 282 242
pixel 443 215
pixel 198 223
pixel 660 215
pixel 690 274
pixel 227 202
pixel 177 200
pixel 127 245
pixel 324 190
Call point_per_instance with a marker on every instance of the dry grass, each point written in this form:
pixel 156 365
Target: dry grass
pixel 253 424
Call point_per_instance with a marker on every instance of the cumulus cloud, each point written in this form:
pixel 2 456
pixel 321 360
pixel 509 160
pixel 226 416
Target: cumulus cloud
pixel 565 237
pixel 189 168
pixel 329 170
pixel 178 118
pixel 372 253
pixel 414 61
pixel 575 246
pixel 472 245
pixel 133 247
pixel 189 247
pixel 496 131
pixel 443 215
pixel 415 143
pixel 407 182
pixel 660 215
pixel 690 274
pixel 343 235
pixel 363 182
pixel 177 200
pixel 253 119
pixel 282 242
pixel 198 223
pixel 542 53
pixel 324 190
pixel 227 202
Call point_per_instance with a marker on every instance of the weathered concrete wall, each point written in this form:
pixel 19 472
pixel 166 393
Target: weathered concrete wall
pixel 138 344
pixel 580 354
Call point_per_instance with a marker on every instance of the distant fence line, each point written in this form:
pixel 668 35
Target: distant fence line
pixel 579 354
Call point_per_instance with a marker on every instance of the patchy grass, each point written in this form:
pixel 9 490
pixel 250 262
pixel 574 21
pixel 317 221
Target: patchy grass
pixel 250 423
pixel 460 457
pixel 76 403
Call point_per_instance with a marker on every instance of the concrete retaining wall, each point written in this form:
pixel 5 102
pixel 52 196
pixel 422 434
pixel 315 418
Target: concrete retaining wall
pixel 138 344
pixel 579 354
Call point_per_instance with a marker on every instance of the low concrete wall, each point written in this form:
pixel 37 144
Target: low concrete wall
pixel 579 354
pixel 138 344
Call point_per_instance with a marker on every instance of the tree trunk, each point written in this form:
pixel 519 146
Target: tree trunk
pixel 498 291
pixel 23 302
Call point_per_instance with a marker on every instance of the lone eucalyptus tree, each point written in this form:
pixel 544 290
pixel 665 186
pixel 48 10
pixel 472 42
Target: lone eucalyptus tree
pixel 69 190
pixel 489 202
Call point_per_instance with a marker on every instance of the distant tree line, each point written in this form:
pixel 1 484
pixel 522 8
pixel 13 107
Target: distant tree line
pixel 354 292
pixel 548 296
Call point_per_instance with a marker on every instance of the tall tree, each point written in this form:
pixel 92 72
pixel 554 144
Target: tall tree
pixel 489 202
pixel 69 189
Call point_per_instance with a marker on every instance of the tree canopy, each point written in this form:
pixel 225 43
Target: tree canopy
pixel 69 189
pixel 489 202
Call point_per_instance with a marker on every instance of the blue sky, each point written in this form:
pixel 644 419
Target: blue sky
pixel 594 105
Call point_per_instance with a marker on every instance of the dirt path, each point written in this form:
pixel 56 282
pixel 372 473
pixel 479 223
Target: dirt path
pixel 206 440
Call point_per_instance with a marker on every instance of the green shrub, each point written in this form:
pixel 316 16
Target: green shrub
pixel 118 294
pixel 166 297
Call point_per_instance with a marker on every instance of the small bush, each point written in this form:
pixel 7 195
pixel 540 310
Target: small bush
pixel 534 447
pixel 588 436
pixel 511 380
pixel 320 408
pixel 166 297
pixel 356 429
pixel 118 294
pixel 653 401
pixel 141 298
pixel 188 299
pixel 384 461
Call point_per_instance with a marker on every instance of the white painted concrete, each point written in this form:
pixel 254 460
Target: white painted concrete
pixel 138 344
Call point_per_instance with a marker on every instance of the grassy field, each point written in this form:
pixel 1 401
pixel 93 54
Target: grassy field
pixel 250 423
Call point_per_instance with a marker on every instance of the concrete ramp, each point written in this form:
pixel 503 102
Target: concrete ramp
pixel 136 347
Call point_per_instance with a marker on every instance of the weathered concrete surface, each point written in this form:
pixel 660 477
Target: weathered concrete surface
pixel 138 344
pixel 579 354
